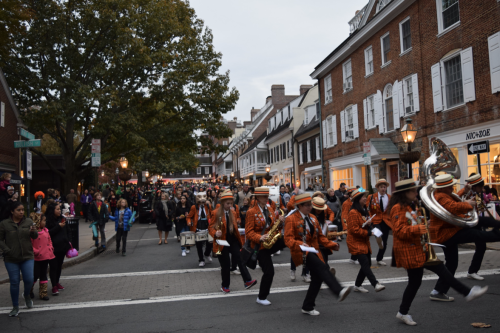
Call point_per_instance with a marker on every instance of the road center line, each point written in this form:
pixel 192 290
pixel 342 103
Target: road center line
pixel 194 270
pixel 165 299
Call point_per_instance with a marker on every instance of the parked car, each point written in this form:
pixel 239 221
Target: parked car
pixel 146 207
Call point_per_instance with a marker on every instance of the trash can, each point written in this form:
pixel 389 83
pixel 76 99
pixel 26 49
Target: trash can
pixel 72 223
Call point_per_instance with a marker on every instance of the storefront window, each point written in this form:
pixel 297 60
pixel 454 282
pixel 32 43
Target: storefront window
pixel 342 176
pixel 490 166
pixel 364 178
pixel 415 167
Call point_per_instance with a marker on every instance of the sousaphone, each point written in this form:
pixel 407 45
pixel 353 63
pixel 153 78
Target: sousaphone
pixel 442 161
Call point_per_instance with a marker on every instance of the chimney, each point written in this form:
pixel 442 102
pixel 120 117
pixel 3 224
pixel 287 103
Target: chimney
pixel 235 118
pixel 278 93
pixel 356 13
pixel 304 88
pixel 253 112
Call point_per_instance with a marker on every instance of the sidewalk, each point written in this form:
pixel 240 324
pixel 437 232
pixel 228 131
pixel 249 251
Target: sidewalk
pixel 87 246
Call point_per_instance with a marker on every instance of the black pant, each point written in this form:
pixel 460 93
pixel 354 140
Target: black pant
pixel 40 270
pixel 365 261
pixel 85 210
pixel 305 270
pixel 225 263
pixel 121 235
pixel 56 268
pixel 385 234
pixel 325 254
pixel 415 280
pixel 479 237
pixel 266 263
pixel 208 249
pixel 319 273
pixel 113 209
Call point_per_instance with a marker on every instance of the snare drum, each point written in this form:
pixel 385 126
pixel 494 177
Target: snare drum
pixel 201 236
pixel 332 228
pixel 188 238
pixel 242 234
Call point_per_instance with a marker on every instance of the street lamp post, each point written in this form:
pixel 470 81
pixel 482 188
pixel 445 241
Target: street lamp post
pixel 268 177
pixel 117 171
pixel 409 132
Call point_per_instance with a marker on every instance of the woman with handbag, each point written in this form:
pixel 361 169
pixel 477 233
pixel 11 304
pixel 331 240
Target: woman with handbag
pixel 358 241
pixel 163 222
pixel 223 226
pixel 16 234
pixel 59 234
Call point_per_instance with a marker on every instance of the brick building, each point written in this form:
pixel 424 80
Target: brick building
pixel 9 124
pixel 434 61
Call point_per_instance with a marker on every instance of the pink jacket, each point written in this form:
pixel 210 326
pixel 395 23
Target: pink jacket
pixel 4 184
pixel 42 246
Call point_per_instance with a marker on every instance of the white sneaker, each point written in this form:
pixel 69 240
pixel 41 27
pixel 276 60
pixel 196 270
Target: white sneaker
pixel 381 263
pixel 355 262
pixel 307 278
pixel 183 253
pixel 476 292
pixel 360 289
pixel 311 313
pixel 278 253
pixel 263 301
pixel 344 292
pixel 407 319
pixel 209 259
pixel 187 251
pixel 292 275
pixel 475 276
pixel 235 272
pixel 201 264
pixel 379 287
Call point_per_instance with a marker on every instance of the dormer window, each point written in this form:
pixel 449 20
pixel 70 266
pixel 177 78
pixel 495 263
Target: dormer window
pixel 381 4
pixel 354 23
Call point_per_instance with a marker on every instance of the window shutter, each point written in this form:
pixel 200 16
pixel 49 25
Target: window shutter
pixel 494 48
pixel 395 104
pixel 300 153
pixel 355 122
pixel 313 149
pixel 365 112
pixel 324 133
pixel 437 92
pixel 416 99
pixel 334 127
pixel 401 99
pixel 342 125
pixel 468 75
pixel 304 151
pixel 291 147
pixel 2 114
pixel 378 111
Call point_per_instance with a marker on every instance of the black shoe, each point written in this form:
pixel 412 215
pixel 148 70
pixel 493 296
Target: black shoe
pixel 117 250
pixel 32 294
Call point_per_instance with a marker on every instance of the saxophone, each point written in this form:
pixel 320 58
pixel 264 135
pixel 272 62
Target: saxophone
pixel 274 233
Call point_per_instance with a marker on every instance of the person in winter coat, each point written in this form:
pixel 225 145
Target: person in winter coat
pixel 16 233
pixel 163 221
pixel 98 213
pixel 59 234
pixel 86 199
pixel 122 217
pixel 44 252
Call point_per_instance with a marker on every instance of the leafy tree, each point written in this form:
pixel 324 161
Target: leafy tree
pixel 141 75
pixel 13 14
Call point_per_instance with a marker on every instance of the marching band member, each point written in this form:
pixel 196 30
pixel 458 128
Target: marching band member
pixel 236 209
pixel 377 205
pixel 320 210
pixel 358 241
pixel 223 226
pixel 261 217
pixel 197 220
pixel 409 254
pixel 302 228
pixel 451 235
pixel 475 186
pixel 329 215
pixel 346 207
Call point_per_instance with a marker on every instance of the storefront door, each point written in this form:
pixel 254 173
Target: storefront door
pixel 394 173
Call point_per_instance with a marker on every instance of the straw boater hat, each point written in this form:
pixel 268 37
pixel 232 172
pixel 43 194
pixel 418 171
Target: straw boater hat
pixel 318 193
pixel 475 180
pixel 351 189
pixel 382 181
pixel 444 181
pixel 262 191
pixel 358 193
pixel 226 195
pixel 302 198
pixel 319 204
pixel 405 185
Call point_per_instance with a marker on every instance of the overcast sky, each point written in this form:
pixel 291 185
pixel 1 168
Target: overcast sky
pixel 266 42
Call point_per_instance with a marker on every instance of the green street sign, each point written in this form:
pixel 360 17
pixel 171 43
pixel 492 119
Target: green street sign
pixel 26 134
pixel 26 144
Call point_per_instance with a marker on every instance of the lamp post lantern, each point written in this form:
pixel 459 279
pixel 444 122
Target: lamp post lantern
pixel 409 132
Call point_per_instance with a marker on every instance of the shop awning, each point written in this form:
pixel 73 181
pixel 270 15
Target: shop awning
pixel 16 179
pixel 383 148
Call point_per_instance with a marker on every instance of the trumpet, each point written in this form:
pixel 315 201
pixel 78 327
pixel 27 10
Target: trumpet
pixel 425 239
pixel 219 227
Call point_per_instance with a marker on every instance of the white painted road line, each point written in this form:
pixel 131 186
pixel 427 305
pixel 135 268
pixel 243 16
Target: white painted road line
pixel 192 270
pixel 165 299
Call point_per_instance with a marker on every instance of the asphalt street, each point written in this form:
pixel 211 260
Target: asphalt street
pixel 155 289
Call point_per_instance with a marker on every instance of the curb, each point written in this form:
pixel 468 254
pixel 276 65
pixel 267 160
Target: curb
pixel 82 257
pixel 473 247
